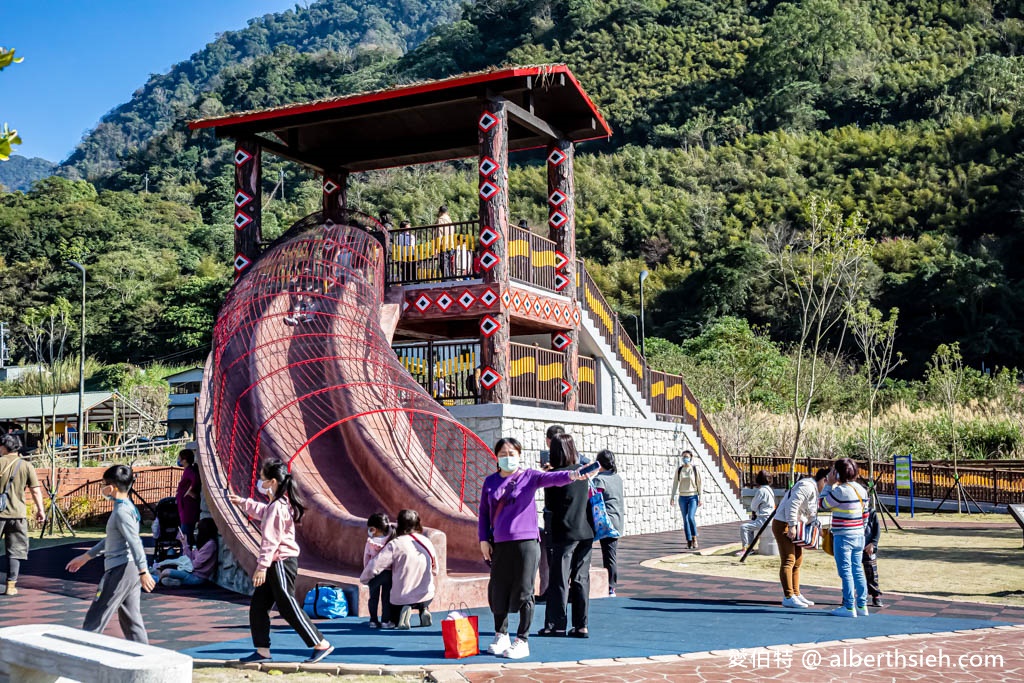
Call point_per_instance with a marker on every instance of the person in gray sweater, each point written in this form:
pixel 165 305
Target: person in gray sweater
pixel 125 573
pixel 761 508
pixel 610 484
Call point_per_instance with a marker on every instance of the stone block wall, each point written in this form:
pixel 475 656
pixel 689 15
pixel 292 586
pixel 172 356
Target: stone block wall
pixel 623 404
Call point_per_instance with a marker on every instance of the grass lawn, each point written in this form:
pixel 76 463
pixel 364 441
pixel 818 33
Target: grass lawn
pixel 83 534
pixel 979 565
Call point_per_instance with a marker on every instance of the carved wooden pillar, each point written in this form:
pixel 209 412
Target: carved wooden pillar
pixel 335 197
pixel 494 327
pixel 562 231
pixel 248 204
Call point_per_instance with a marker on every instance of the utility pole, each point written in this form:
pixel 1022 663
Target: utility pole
pixel 145 182
pixel 5 354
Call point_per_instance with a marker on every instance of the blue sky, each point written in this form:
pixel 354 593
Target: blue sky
pixel 85 57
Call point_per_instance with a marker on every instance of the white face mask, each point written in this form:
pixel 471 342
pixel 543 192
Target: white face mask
pixel 509 463
pixel 369 532
pixel 264 488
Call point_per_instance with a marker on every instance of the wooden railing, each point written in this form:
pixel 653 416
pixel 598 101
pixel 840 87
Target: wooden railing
pixel 995 484
pixel 669 397
pixel 536 374
pixel 586 387
pixel 531 258
pixel 431 253
pixel 448 371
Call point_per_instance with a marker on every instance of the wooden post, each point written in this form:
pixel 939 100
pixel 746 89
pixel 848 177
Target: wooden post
pixel 562 231
pixel 248 204
pixel 335 195
pixel 495 333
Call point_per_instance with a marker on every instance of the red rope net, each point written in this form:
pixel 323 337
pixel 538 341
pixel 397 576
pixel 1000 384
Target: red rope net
pixel 303 372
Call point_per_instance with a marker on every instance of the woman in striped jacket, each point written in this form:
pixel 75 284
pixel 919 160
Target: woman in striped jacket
pixel 845 498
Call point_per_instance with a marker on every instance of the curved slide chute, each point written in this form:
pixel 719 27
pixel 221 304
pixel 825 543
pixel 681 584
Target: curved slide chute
pixel 302 370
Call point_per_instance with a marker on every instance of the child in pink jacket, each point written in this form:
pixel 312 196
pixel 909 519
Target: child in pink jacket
pixel 203 557
pixel 278 563
pixel 379 532
pixel 412 559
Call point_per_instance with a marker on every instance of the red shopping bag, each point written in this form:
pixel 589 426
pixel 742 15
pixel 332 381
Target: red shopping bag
pixel 461 636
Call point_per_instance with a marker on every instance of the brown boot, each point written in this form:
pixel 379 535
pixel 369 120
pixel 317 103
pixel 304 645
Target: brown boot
pixel 11 588
pixel 695 546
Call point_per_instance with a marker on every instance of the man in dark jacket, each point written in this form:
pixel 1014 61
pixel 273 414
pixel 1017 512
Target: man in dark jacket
pixel 872 531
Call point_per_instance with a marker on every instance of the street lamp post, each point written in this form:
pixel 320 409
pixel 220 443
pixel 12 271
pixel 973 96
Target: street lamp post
pixel 643 330
pixel 81 370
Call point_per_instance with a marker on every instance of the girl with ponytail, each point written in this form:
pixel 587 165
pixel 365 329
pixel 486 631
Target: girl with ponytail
pixel 278 562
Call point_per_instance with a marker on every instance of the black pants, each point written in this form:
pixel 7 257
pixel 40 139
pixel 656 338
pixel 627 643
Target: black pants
pixel 510 589
pixel 871 574
pixel 279 589
pixel 569 585
pixel 380 589
pixel 609 547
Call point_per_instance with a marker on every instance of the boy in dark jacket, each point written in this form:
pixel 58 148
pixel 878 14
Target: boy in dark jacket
pixel 871 533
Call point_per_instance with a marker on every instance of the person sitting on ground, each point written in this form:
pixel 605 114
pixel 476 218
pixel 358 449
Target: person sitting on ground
pixel 379 532
pixel 761 508
pixel 844 497
pixel 798 506
pixel 203 557
pixel 412 559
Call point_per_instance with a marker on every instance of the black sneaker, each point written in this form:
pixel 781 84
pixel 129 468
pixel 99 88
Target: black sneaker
pixel 877 601
pixel 318 655
pixel 254 658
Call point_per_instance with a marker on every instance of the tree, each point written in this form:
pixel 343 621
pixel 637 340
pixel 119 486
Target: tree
pixel 875 336
pixel 8 136
pixel 821 270
pixel 946 379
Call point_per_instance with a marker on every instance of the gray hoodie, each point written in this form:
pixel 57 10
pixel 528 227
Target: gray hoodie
pixel 123 543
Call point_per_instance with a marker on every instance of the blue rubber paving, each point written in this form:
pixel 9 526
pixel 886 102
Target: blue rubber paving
pixel 619 627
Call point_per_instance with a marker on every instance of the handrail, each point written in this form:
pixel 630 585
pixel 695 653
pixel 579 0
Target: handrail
pixel 432 253
pixel 536 374
pixel 531 258
pixel 448 371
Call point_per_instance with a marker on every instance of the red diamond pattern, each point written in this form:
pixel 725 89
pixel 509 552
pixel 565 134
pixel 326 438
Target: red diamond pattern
pixel 488 166
pixel 527 304
pixel 330 187
pixel 487 121
pixel 466 300
pixel 556 157
pixel 241 263
pixel 241 156
pixel 506 299
pixel 489 378
pixel 488 190
pixel 489 326
pixel 561 282
pixel 547 309
pixel 558 313
pixel 241 199
pixel 557 198
pixel 422 303
pixel 517 301
pixel 566 387
pixel 242 219
pixel 558 219
pixel 488 236
pixel 488 297
pixel 488 260
pixel 560 341
pixel 444 302
pixel 560 260
pixel 405 305
pixel 537 308
pixel 576 316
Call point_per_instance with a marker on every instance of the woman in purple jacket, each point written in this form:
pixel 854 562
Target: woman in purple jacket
pixel 508 535
pixel 187 495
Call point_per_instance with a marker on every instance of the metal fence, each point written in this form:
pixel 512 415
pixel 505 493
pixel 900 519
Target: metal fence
pixel 448 371
pixel 431 253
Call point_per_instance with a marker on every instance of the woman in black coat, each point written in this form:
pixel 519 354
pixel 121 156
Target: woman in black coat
pixel 571 537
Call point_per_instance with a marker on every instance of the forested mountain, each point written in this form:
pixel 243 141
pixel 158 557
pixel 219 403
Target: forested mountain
pixel 353 29
pixel 18 173
pixel 729 118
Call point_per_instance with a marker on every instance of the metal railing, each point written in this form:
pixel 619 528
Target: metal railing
pixel 531 258
pixel 432 253
pixel 586 386
pixel 448 371
pixel 986 483
pixel 536 374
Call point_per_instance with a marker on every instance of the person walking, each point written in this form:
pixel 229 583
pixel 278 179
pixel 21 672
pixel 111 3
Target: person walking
pixel 798 506
pixel 277 564
pixel 761 508
pixel 687 485
pixel 844 497
pixel 187 495
pixel 609 483
pixel 125 573
pixel 16 475
pixel 508 531
pixel 572 539
pixel 872 532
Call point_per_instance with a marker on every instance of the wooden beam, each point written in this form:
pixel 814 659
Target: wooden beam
pixel 531 121
pixel 287 152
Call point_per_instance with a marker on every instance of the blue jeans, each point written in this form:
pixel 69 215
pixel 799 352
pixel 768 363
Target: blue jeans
pixel 849 551
pixel 688 506
pixel 186 578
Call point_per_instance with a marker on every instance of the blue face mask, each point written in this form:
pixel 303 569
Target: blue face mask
pixel 686 461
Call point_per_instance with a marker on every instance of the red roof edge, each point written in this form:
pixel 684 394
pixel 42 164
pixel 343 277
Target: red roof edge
pixel 415 89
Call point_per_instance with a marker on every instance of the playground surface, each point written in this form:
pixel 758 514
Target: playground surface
pixel 664 625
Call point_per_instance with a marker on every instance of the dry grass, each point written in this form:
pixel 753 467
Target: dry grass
pixel 982 565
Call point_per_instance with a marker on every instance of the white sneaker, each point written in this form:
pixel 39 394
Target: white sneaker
pixel 500 644
pixel 792 602
pixel 804 601
pixel 519 649
pixel 843 612
pixel 862 611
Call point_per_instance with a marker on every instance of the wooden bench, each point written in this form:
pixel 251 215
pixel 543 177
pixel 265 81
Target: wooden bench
pixel 46 653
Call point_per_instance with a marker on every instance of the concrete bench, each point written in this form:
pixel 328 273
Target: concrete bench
pixel 46 653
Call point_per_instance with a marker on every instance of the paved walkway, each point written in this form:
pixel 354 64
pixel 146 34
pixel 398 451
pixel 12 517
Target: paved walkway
pixel 182 619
